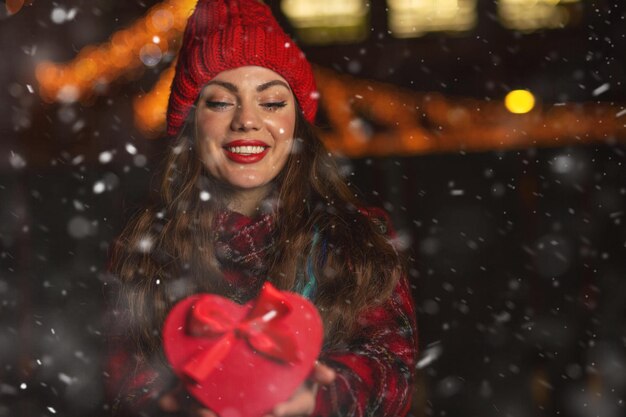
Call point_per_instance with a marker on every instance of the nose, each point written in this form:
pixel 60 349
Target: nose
pixel 245 118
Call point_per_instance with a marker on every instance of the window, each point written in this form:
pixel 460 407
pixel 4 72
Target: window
pixel 328 21
pixel 530 15
pixel 412 18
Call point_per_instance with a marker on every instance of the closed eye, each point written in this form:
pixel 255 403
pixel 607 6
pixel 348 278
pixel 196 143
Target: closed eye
pixel 274 105
pixel 217 105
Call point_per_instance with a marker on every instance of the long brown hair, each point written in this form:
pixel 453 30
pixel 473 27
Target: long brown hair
pixel 173 239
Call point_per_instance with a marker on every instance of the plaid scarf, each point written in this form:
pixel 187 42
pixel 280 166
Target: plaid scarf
pixel 243 247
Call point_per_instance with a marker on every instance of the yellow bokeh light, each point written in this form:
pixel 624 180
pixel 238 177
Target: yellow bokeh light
pixel 519 101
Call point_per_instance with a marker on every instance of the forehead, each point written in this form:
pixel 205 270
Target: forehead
pixel 250 76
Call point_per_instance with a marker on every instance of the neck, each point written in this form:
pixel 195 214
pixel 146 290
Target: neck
pixel 248 201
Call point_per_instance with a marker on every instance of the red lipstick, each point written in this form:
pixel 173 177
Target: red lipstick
pixel 245 156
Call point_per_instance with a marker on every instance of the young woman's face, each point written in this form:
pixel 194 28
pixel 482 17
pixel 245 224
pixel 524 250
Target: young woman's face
pixel 245 122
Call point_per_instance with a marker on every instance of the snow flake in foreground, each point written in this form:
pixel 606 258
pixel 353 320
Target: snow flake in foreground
pixel 131 149
pixel 140 161
pixel 79 125
pixel 99 187
pixel 449 386
pixel 144 245
pixel 79 227
pixel 602 89
pixel 402 241
pixel 150 54
pixel 66 379
pixel 354 66
pixel 563 164
pixel 105 157
pixel 59 15
pixel 205 195
pixel 16 160
pixel 431 354
pixel 68 94
pixel 78 159
pixel 430 307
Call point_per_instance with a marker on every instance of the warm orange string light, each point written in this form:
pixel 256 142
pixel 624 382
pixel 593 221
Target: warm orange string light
pixel 369 118
pixel 150 36
pixel 150 108
pixel 14 6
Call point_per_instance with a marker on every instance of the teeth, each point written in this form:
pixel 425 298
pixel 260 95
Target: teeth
pixel 246 150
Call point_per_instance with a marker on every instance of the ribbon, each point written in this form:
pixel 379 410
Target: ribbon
pixel 261 329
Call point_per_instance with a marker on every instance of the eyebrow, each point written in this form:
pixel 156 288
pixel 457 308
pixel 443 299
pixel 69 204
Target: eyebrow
pixel 230 87
pixel 233 88
pixel 272 83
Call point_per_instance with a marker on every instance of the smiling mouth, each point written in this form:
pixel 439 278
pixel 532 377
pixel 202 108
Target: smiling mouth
pixel 246 150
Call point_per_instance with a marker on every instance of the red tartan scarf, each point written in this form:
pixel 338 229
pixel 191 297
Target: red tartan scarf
pixel 243 248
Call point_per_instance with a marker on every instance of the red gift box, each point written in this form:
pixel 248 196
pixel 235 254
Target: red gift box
pixel 242 360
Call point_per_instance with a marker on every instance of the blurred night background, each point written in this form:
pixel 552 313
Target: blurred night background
pixel 518 249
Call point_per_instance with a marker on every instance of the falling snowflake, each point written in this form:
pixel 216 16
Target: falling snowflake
pixel 105 157
pixel 16 160
pixel 99 187
pixel 144 245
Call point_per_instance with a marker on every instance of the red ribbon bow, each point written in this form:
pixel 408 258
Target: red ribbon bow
pixel 261 329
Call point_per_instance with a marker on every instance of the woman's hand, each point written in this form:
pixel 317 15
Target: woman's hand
pixel 302 402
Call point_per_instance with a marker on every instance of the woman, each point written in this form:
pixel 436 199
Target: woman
pixel 249 194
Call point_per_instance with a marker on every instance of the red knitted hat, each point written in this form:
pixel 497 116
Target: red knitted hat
pixel 227 34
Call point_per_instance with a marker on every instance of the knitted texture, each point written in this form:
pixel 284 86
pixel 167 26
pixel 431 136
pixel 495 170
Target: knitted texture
pixel 226 34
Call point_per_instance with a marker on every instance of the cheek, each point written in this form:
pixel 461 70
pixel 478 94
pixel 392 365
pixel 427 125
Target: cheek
pixel 211 124
pixel 203 129
pixel 208 150
pixel 282 127
pixel 207 157
pixel 287 144
pixel 208 134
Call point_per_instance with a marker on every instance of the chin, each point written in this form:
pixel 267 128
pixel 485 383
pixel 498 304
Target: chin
pixel 247 183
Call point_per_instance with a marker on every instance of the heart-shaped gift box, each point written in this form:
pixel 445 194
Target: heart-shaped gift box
pixel 242 360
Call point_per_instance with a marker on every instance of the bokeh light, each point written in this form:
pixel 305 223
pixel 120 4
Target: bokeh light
pixel 519 101
pixel 14 6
